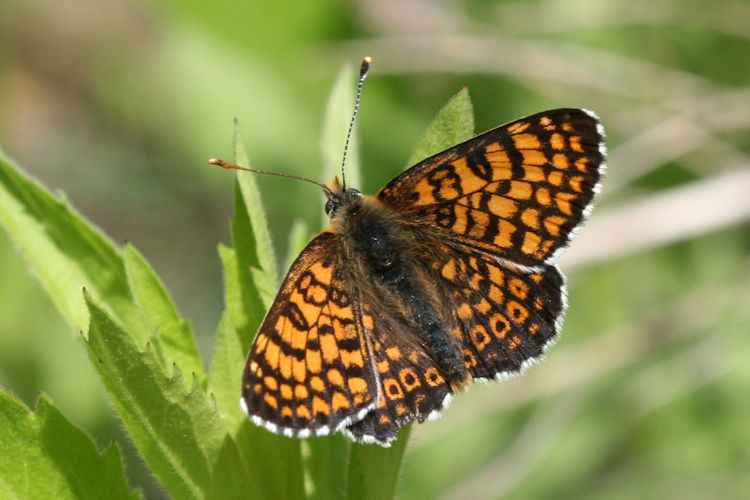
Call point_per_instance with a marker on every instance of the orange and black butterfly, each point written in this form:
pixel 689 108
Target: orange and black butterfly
pixel 445 277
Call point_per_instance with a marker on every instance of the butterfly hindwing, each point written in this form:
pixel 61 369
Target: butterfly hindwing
pixel 504 316
pixel 412 387
pixel 517 191
pixel 310 370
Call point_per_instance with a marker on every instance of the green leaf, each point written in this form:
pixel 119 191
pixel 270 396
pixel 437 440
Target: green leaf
pixel 65 252
pixel 250 234
pixel 374 470
pixel 45 456
pixel 243 301
pixel 250 274
pixel 175 428
pixel 172 336
pixel 276 461
pixel 326 460
pixel 454 124
pixel 299 237
pixel 225 375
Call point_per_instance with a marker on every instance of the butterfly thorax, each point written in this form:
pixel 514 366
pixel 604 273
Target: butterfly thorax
pixel 380 256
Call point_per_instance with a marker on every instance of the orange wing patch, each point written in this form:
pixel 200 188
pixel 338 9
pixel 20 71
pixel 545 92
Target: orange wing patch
pixel 491 192
pixel 310 369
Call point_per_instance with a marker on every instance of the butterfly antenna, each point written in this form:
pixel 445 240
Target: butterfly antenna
pixel 366 62
pixel 232 166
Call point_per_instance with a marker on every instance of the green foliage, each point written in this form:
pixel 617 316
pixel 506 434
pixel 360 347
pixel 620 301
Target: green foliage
pixel 174 335
pixel 250 233
pixel 65 252
pixel 453 125
pixel 374 471
pixel 173 423
pixel 44 456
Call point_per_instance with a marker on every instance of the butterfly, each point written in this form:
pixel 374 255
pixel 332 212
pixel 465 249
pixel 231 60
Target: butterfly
pixel 447 276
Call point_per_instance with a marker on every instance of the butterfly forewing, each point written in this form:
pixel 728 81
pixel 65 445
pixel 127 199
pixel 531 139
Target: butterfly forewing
pixel 517 191
pixel 310 370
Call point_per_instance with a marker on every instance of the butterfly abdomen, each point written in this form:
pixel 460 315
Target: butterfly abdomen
pixel 383 253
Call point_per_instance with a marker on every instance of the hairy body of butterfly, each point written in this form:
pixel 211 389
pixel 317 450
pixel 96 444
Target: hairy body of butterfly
pixel 445 277
pixel 389 254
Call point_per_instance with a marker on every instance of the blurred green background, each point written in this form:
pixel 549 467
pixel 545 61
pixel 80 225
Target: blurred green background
pixel 119 104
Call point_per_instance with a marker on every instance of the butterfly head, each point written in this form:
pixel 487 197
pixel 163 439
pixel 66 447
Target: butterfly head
pixel 340 197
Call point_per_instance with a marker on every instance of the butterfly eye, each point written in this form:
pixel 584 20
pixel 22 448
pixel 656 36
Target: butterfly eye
pixel 330 207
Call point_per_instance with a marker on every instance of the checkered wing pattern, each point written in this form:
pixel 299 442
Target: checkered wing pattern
pixel 412 387
pixel 311 369
pixel 517 191
pixel 504 317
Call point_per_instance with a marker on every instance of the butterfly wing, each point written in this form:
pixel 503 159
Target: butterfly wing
pixel 505 317
pixel 412 387
pixel 518 191
pixel 311 370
